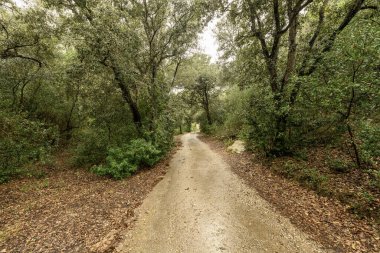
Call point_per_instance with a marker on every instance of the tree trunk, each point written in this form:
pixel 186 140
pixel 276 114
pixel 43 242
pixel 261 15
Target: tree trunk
pixel 128 98
pixel 354 146
pixel 280 146
pixel 207 105
pixel 209 119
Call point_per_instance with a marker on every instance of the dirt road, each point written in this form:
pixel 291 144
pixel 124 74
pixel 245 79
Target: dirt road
pixel 201 206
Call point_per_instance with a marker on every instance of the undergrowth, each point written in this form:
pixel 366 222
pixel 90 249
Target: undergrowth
pixel 306 176
pixel 124 161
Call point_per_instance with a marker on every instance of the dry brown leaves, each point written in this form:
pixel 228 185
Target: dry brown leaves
pixel 71 210
pixel 325 219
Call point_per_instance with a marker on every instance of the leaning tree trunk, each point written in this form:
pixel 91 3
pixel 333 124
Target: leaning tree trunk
pixel 128 98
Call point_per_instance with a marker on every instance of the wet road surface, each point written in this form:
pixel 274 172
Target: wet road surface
pixel 201 206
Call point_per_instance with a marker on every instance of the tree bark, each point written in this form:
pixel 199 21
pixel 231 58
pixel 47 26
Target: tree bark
pixel 121 82
pixel 207 104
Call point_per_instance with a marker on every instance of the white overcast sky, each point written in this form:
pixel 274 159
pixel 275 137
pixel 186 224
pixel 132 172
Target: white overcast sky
pixel 207 42
pixel 20 3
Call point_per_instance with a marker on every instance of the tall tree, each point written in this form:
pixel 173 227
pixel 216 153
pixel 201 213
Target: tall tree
pixel 116 32
pixel 288 61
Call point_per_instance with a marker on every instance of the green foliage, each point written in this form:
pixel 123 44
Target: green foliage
pixel 289 169
pixel 235 108
pixel 334 78
pixel 228 142
pixel 142 153
pixel 313 179
pixel 115 169
pixel 163 135
pixel 374 178
pixel 301 155
pixel 23 141
pixel 338 165
pixel 370 141
pixel 73 65
pixel 364 205
pixel 204 126
pixel 309 177
pixel 124 161
pixel 91 148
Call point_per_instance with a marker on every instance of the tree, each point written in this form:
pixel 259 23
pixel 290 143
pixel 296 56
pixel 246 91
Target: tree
pixel 170 29
pixel 203 89
pixel 154 32
pixel 289 62
pixel 198 86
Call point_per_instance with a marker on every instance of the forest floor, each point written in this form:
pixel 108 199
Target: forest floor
pixel 326 219
pixel 71 210
pixel 207 200
pixel 202 206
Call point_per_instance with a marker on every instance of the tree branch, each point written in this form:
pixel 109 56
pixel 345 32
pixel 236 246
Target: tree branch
pixel 297 9
pixel 329 42
pixel 369 7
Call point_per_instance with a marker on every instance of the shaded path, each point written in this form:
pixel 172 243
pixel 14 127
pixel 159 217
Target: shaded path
pixel 201 206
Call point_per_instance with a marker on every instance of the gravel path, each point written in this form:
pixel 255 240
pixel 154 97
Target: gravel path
pixel 201 206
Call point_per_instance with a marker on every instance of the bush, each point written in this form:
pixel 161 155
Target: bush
pixel 309 177
pixel 23 141
pixel 163 134
pixel 370 136
pixel 91 148
pixel 115 169
pixel 374 178
pixel 142 153
pixel 301 155
pixel 338 165
pixel 289 170
pixel 313 179
pixel 365 205
pixel 235 111
pixel 124 161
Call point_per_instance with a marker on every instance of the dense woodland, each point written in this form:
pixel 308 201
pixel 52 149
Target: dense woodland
pixel 112 81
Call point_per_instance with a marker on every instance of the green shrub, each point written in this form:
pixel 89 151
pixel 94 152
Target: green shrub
pixel 308 177
pixel 23 141
pixel 123 161
pixel 365 205
pixel 289 170
pixel 313 179
pixel 206 128
pixel 91 148
pixel 228 142
pixel 7 173
pixel 370 137
pixel 116 170
pixel 142 153
pixel 374 178
pixel 338 165
pixel 301 155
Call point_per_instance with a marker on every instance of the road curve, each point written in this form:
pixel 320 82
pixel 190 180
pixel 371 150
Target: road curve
pixel 201 206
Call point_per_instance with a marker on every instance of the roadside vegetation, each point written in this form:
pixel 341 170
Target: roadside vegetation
pixel 93 78
pixel 301 88
pixel 109 83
